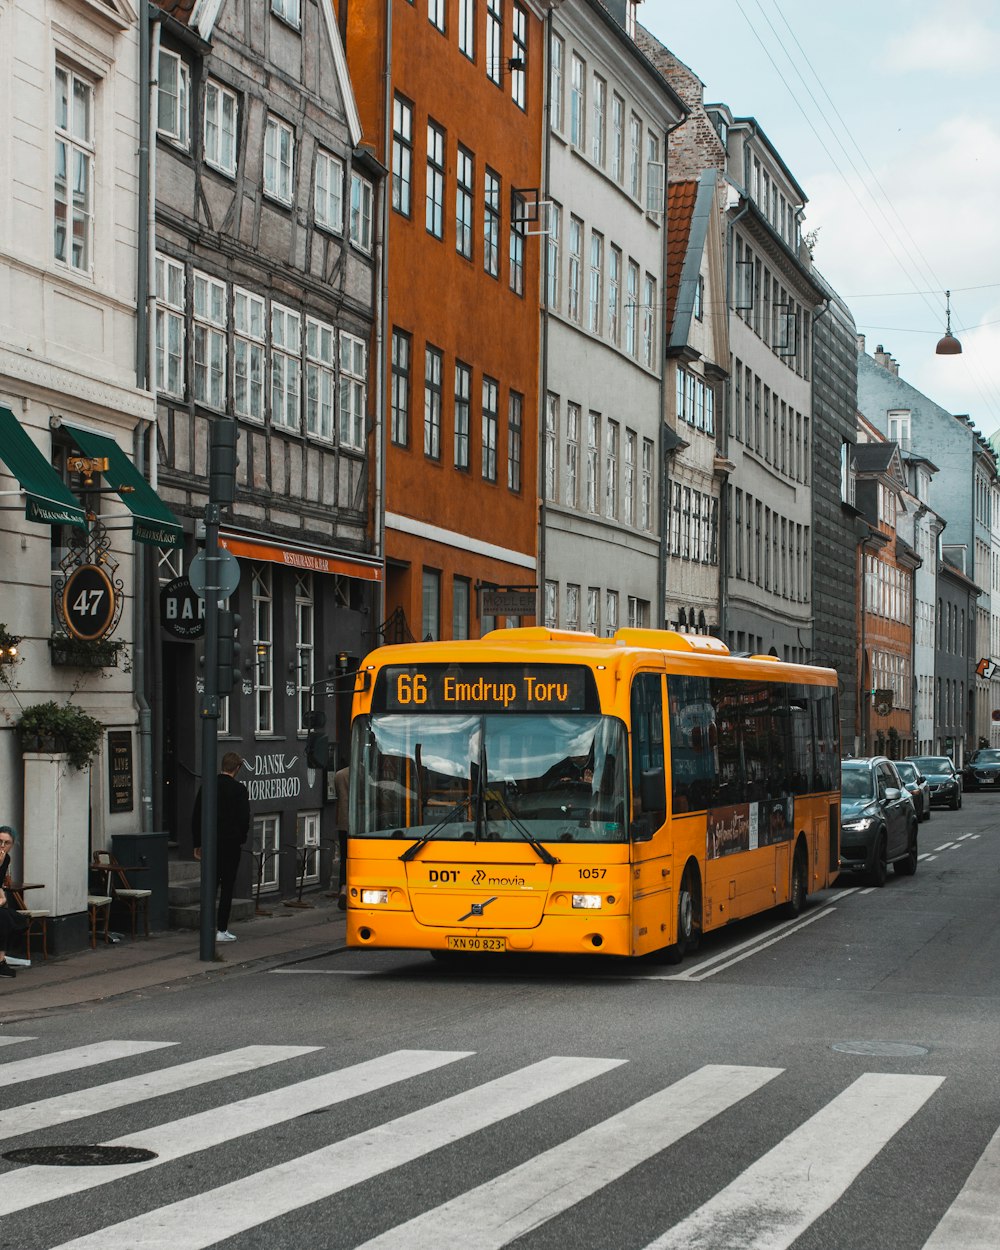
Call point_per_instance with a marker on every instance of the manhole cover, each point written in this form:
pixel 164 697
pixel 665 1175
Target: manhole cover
pixel 892 1050
pixel 78 1156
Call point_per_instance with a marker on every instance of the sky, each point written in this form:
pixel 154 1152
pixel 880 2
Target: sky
pixel 885 113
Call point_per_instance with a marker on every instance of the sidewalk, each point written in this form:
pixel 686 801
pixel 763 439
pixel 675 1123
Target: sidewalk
pixel 168 957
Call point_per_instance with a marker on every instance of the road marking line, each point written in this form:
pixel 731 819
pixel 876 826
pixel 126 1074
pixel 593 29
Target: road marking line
pixel 944 846
pixel 509 1206
pixel 928 858
pixel 205 1129
pixel 970 1223
pixel 324 972
pixel 31 1116
pixel 60 1061
pixel 869 890
pixel 963 836
pixel 10 1041
pixel 210 1217
pixel 699 972
pixel 776 1199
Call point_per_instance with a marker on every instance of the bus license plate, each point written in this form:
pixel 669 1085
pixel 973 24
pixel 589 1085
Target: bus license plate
pixel 477 943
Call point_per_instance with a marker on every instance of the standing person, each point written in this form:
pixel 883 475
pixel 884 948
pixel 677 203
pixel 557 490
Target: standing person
pixel 10 921
pixel 232 827
pixel 342 785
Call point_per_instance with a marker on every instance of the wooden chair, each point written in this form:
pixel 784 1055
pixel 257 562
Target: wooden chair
pixel 38 923
pixel 97 903
pixel 120 890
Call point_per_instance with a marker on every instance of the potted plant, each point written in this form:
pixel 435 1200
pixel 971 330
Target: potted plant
pixel 87 652
pixel 61 727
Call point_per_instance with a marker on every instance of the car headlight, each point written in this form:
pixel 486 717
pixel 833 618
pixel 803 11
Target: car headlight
pixel 370 897
pixel 859 825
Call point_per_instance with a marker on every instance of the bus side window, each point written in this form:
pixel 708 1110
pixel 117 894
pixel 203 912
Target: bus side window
pixel 649 802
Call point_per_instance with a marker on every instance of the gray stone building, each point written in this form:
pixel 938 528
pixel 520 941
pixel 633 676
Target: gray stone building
pixel 265 295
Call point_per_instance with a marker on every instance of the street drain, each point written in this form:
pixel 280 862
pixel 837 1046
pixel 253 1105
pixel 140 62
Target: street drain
pixel 78 1156
pixel 891 1050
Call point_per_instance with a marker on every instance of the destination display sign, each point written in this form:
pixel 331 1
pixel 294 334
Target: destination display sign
pixel 485 688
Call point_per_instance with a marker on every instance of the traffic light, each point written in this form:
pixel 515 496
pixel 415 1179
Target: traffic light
pixel 229 650
pixel 222 461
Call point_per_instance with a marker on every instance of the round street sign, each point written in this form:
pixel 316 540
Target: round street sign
pixel 88 602
pixel 228 573
pixel 182 612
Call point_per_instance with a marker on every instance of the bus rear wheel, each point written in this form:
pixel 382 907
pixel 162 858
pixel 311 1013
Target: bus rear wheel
pixel 687 926
pixel 800 885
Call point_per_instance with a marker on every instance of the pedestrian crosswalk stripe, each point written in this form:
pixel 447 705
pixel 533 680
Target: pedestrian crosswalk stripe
pixel 217 1125
pixel 31 1116
pixel 212 1216
pixel 60 1061
pixel 10 1041
pixel 970 1223
pixel 503 1209
pixel 778 1197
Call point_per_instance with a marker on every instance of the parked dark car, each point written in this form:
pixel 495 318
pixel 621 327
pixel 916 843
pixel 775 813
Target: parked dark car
pixel 878 822
pixel 982 769
pixel 918 786
pixel 943 778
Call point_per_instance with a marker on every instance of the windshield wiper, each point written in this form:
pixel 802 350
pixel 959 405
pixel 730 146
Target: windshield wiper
pixel 412 851
pixel 494 796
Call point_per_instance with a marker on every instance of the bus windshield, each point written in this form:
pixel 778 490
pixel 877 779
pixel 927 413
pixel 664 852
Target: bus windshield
pixel 470 777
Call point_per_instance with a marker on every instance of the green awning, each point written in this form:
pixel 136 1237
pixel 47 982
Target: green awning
pixel 153 522
pixel 49 499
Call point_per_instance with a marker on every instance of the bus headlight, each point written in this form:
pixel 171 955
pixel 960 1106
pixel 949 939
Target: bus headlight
pixel 371 897
pixel 587 900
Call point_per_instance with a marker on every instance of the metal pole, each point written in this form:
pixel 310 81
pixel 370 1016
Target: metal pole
pixel 210 736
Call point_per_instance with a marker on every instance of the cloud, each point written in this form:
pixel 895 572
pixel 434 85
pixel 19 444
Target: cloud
pixel 956 44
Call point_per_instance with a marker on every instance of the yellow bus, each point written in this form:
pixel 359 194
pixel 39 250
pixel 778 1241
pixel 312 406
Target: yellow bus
pixel 545 791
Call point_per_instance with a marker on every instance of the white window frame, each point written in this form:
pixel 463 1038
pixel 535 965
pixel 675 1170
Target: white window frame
pixel 632 310
pixel 572 606
pixel 249 354
pixel 646 486
pixel 628 478
pixel 635 156
pixel 221 127
pixel 307 840
pixel 321 378
pixel 649 321
pixel 572 481
pixel 266 841
pixel 612 440
pixel 575 252
pixel 617 137
pixel 75 156
pixel 286 367
pixel 551 446
pixel 170 335
pixel 173 99
pixel 578 102
pixel 599 129
pixel 263 646
pixel 279 160
pixel 553 258
pixel 353 390
pixel 614 293
pixel 558 53
pixel 305 647
pixel 361 212
pixel 593 465
pixel 328 193
pixel 210 299
pixel 595 308
pixel 289 11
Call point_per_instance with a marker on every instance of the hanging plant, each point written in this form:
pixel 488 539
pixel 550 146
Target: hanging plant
pixel 67 652
pixel 61 727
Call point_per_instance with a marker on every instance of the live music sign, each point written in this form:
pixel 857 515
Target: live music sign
pixel 182 612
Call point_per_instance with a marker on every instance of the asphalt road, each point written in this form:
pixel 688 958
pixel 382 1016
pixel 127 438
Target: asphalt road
pixel 831 1082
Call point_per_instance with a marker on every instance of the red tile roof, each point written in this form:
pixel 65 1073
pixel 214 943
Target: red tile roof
pixel 681 198
pixel 178 9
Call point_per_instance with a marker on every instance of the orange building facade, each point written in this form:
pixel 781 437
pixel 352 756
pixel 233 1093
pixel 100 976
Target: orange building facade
pixel 451 97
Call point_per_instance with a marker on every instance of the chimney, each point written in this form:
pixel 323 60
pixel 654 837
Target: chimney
pixel 883 358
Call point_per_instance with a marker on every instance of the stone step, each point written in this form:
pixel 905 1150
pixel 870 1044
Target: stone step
pixel 183 893
pixel 189 917
pixel 179 870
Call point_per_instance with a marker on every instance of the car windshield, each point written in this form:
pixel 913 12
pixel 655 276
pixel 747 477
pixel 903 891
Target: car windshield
pixel 465 777
pixel 932 763
pixel 986 757
pixel 856 783
pixel 907 771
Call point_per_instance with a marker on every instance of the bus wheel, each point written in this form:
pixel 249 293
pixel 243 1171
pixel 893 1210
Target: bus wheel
pixel 800 885
pixel 687 932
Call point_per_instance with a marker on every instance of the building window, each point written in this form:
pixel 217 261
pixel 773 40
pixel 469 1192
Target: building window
pixel 288 10
pixel 572 455
pixel 263 645
pixel 279 157
pixel 593 460
pixel 491 224
pixel 353 390
pixel 599 104
pixel 899 427
pixel 646 485
pixel 551 604
pixel 628 479
pixel 286 351
pixel 361 212
pixel 572 606
pixel 649 322
pixel 638 613
pixel 611 613
pixel 552 258
pixel 611 436
pixel 489 458
pixel 654 174
pixel 435 181
pixel 515 405
pixel 614 292
pixel 329 194
pixel 551 446
pixel 74 172
pixel 577 102
pixel 465 175
pixel 631 308
pixel 575 265
pixel 518 53
pixel 209 340
pixel 307 826
pixel 460 601
pixel 402 155
pixel 594 609
pixel 249 347
pixel 430 619
pixel 699 298
pixel 517 228
pixel 494 41
pixel 557 51
pixel 463 392
pixel 169 326
pixel 266 840
pixel 635 157
pixel 435 14
pixel 172 104
pixel 220 128
pixel 467 28
pixel 320 378
pixel 596 282
pixel 617 138
pixel 400 388
pixel 432 403
pixel 305 667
